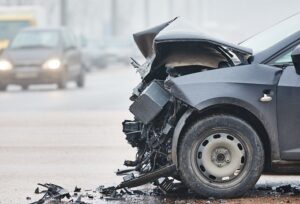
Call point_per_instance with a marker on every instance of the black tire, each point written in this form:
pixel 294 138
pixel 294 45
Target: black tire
pixel 25 87
pixel 62 82
pixel 195 137
pixel 3 87
pixel 80 82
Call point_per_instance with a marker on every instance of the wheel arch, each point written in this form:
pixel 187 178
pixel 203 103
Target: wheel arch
pixel 191 115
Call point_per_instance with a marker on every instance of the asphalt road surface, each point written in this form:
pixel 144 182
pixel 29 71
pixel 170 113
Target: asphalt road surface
pixel 73 137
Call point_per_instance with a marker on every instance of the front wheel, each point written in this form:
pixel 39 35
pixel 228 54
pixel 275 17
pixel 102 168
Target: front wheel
pixel 25 87
pixel 220 156
pixel 62 82
pixel 80 81
pixel 3 87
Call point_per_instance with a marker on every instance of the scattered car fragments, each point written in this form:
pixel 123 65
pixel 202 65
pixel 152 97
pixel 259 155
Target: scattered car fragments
pixel 52 192
pixel 177 191
pixel 58 195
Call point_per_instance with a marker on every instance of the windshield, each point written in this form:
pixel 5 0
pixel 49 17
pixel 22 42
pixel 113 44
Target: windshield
pixel 273 35
pixel 28 39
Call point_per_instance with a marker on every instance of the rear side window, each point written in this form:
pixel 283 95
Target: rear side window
pixel 69 40
pixel 66 38
pixel 284 59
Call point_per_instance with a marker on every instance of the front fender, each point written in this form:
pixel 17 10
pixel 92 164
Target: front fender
pixel 210 104
pixel 240 86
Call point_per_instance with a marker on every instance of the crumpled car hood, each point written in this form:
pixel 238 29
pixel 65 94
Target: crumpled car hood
pixel 177 30
pixel 144 39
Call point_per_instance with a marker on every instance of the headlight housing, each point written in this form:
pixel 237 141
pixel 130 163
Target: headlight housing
pixel 52 64
pixel 5 65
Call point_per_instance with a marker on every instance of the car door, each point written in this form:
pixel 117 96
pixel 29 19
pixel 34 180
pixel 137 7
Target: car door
pixel 72 56
pixel 288 108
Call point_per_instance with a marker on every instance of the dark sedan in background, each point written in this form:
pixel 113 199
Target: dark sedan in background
pixel 41 56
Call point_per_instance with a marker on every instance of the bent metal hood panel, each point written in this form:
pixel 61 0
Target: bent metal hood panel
pixel 178 30
pixel 144 39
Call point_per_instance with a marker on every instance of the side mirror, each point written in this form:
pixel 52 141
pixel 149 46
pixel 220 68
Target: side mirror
pixel 296 59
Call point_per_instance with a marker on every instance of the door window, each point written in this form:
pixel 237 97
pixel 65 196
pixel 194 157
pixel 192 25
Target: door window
pixel 284 59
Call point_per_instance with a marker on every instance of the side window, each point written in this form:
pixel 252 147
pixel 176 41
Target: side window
pixel 69 40
pixel 66 39
pixel 284 58
pixel 73 40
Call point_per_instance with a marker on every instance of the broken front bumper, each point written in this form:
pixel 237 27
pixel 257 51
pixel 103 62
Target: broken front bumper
pixel 151 133
pixel 133 132
pixel 150 103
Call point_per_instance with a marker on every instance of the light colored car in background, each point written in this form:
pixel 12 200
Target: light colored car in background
pixel 115 50
pixel 107 52
pixel 41 56
pixel 93 56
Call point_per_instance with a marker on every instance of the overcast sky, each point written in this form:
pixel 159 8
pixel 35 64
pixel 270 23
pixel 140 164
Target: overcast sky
pixel 231 20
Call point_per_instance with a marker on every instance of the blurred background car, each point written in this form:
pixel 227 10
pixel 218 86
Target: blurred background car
pixel 117 50
pixel 92 55
pixel 101 54
pixel 41 56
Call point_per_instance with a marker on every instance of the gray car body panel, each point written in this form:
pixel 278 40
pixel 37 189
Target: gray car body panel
pixel 181 31
pixel 157 44
pixel 288 111
pixel 144 39
pixel 241 86
pixel 176 30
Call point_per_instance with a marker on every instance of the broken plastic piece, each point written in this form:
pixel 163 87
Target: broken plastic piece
pixel 53 192
pixel 165 184
pixel 149 177
pixel 130 163
pixel 128 177
pixel 37 190
pixel 106 191
pixel 124 171
pixel 77 190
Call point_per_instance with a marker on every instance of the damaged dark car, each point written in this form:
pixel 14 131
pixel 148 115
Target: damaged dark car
pixel 212 114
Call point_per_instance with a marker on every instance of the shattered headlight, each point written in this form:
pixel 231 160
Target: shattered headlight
pixel 5 65
pixel 52 64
